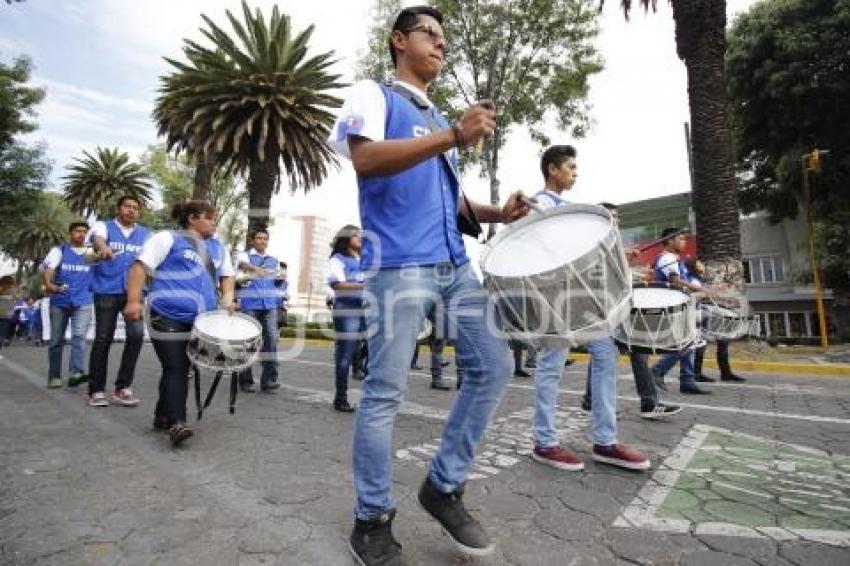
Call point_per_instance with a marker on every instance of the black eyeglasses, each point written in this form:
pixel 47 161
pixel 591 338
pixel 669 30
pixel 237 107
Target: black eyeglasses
pixel 435 36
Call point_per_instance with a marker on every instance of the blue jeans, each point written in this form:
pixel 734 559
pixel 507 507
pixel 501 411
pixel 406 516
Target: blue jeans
pixel 603 376
pixel 400 298
pixel 59 318
pixel 686 366
pixel 349 325
pixel 268 320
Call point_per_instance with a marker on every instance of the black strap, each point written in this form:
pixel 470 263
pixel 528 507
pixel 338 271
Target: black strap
pixel 467 221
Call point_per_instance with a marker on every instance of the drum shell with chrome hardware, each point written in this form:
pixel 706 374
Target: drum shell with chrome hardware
pixel 559 277
pixel 224 341
pixel 725 318
pixel 663 318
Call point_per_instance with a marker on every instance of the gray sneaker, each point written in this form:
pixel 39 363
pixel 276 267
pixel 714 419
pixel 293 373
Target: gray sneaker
pixel 447 508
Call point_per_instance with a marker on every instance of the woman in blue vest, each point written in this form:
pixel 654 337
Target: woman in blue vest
pixel 67 279
pixel 185 267
pixel 346 279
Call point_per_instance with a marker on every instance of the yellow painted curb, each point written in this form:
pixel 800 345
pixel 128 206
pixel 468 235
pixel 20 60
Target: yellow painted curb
pixel 810 369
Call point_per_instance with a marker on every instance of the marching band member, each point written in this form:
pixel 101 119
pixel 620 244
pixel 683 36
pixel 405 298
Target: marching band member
pixel 669 268
pixel 345 278
pixel 260 298
pixel 118 243
pixel 558 166
pixel 409 204
pixel 185 267
pixel 67 279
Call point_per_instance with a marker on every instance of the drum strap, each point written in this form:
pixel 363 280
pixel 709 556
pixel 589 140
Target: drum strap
pixel 200 249
pixel 467 221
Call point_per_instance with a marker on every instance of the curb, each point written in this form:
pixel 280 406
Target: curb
pixel 789 368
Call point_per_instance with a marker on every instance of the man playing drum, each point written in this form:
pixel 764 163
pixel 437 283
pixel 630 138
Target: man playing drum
pixel 558 166
pixel 185 268
pixel 669 268
pixel 651 407
pixel 415 259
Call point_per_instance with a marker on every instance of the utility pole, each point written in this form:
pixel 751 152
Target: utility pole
pixel 811 163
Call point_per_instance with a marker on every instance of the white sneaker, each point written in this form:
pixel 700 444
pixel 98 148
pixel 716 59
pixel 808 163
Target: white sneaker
pixel 125 397
pixel 98 400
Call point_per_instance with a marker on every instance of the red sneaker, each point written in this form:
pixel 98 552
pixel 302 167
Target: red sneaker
pixel 620 455
pixel 557 457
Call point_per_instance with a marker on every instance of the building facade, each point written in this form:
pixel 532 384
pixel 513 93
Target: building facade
pixel 777 266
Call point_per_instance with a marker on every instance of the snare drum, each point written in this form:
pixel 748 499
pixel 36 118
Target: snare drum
pixel 725 318
pixel 224 342
pixel 663 318
pixel 559 277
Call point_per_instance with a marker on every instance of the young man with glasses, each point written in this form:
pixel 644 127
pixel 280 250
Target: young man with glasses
pixel 404 153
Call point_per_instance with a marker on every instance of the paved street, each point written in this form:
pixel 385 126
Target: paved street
pixel 758 473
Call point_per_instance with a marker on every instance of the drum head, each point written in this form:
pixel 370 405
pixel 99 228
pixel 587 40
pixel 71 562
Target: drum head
pixel 222 325
pixel 546 241
pixel 657 298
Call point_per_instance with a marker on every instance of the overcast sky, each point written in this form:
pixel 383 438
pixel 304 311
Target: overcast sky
pixel 100 61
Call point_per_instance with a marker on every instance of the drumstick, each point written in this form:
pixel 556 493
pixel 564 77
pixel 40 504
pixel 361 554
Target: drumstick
pixel 531 204
pixel 479 145
pixel 659 240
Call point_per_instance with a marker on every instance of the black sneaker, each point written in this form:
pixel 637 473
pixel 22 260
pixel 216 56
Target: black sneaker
pixel 440 385
pixel 269 387
pixel 704 379
pixel 343 406
pixel 248 387
pixel 447 508
pixel 585 405
pixel 521 373
pixel 693 390
pixel 659 383
pixel 372 542
pixel 732 377
pixel 660 411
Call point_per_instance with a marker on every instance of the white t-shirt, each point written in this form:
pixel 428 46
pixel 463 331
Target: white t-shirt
pixel 156 249
pixel 336 271
pixel 549 199
pixel 99 229
pixel 242 257
pixel 668 264
pixel 364 114
pixel 54 257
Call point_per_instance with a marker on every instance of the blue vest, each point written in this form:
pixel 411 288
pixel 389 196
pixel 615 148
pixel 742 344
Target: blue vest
pixel 182 288
pixel 260 294
pixel 662 277
pixel 110 277
pixel 74 272
pixel 353 274
pixel 410 218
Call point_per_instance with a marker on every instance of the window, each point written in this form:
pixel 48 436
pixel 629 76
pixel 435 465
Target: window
pixel 776 324
pixel 768 269
pixel 797 324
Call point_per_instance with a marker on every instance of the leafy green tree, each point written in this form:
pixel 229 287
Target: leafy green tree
pixel 701 45
pixel 41 223
pixel 95 182
pixel 533 68
pixel 23 169
pixel 250 101
pixel 789 85
pixel 175 178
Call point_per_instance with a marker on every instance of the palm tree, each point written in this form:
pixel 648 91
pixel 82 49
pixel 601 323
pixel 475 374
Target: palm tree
pixel 251 101
pixel 96 181
pixel 43 225
pixel 701 45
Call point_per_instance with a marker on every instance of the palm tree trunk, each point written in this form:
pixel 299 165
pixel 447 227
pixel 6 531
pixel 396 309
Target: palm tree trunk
pixel 262 180
pixel 701 44
pixel 203 177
